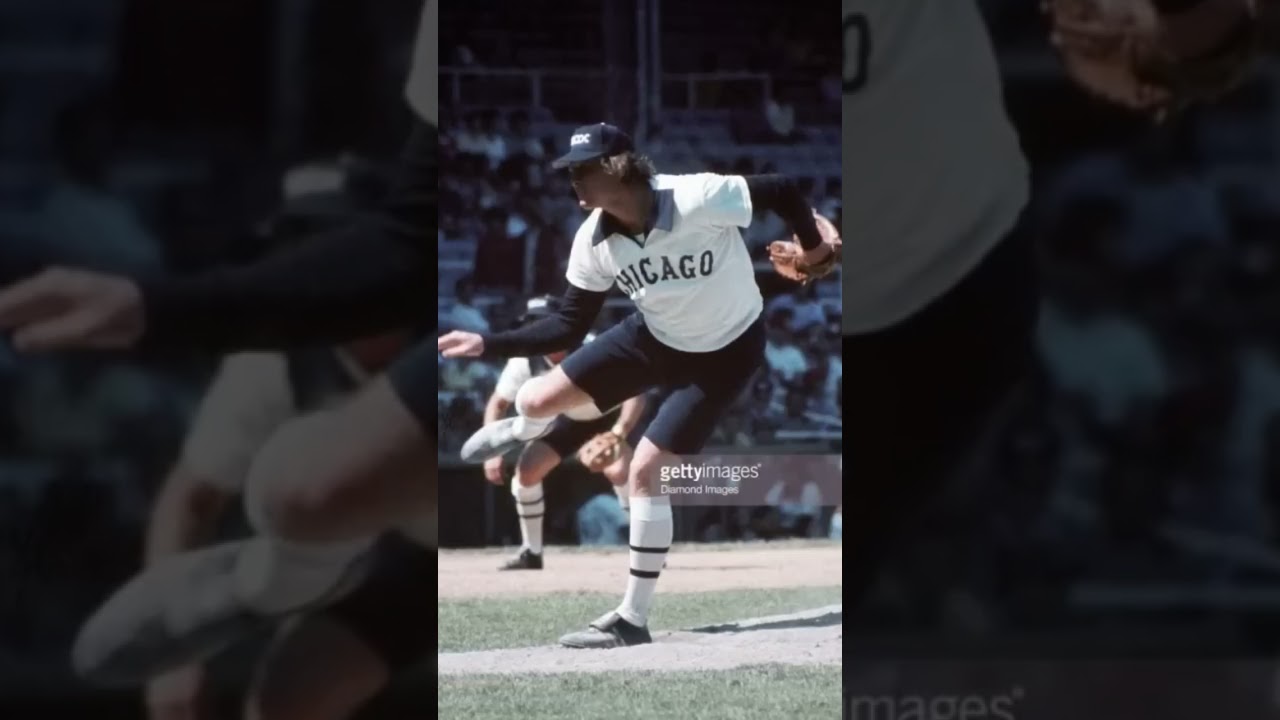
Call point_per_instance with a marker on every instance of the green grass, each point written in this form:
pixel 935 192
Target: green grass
pixel 767 691
pixel 489 623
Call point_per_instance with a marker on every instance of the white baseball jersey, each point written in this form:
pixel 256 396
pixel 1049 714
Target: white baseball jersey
pixel 691 276
pixel 934 172
pixel 423 89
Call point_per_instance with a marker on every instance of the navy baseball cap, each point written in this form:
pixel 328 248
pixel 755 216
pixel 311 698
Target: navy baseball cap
pixel 593 141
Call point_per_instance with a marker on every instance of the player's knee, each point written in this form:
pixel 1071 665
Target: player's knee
pixel 528 476
pixel 645 463
pixel 536 399
pixel 289 496
pixel 534 463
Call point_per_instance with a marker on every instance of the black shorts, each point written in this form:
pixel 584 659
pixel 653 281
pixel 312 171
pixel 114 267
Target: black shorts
pixel 626 360
pixel 568 435
pixel 394 610
pixel 919 396
pixel 415 378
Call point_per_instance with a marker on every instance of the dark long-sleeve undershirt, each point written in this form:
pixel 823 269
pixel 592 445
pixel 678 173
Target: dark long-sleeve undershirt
pixel 375 275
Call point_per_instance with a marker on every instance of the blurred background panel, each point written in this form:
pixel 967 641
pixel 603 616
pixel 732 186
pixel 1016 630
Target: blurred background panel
pixel 146 137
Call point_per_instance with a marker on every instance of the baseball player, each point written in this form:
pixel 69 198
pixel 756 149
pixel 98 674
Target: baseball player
pixel 673 244
pixel 328 483
pixel 600 442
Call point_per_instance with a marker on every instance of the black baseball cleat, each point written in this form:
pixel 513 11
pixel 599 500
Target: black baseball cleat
pixel 608 631
pixel 526 560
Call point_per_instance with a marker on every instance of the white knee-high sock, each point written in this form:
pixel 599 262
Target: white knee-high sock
pixel 652 528
pixel 530 508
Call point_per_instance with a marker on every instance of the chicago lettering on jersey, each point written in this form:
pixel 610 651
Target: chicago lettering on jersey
pixel 651 271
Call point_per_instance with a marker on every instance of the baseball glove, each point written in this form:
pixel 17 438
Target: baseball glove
pixel 788 260
pixel 1115 50
pixel 601 451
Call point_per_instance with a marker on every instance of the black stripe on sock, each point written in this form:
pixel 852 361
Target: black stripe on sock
pixel 530 517
pixel 531 502
pixel 650 550
pixel 644 574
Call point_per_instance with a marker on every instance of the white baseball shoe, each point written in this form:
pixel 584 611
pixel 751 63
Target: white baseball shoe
pixel 495 440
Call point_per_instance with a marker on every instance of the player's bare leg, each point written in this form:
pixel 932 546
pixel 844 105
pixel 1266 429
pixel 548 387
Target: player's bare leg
pixel 316 669
pixel 536 461
pixel 538 403
pixel 616 473
pixel 652 529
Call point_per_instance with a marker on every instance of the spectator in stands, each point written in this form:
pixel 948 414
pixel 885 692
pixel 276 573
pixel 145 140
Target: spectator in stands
pixel 786 360
pixel 780 115
pixel 797 503
pixel 468 138
pixel 492 144
pixel 1107 371
pixel 803 307
pixel 500 257
pixel 1170 207
pixel 829 205
pixel 464 315
pixel 523 141
pixel 84 220
pixel 601 521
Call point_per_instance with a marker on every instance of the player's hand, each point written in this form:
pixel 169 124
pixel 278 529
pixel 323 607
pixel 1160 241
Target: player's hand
pixel 460 344
pixel 493 471
pixel 178 695
pixel 68 309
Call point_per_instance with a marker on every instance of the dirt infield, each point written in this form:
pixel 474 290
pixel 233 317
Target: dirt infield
pixel 472 574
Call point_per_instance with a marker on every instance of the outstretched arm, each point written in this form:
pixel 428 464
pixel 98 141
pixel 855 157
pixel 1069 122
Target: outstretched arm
pixel 561 331
pixel 371 276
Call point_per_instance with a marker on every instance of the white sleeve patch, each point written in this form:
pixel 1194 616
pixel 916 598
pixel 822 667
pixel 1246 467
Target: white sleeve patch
pixel 724 200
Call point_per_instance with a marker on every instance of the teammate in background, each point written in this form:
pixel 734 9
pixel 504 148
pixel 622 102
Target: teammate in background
pixel 601 443
pixel 673 244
